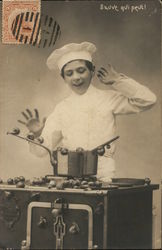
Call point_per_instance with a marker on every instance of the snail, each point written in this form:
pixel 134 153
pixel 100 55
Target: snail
pixel 15 131
pixel 64 151
pixel 30 136
pixel 100 151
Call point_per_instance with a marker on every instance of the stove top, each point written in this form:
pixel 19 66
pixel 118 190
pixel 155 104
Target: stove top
pixel 61 183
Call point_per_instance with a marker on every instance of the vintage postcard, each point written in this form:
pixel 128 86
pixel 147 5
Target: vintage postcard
pixel 80 124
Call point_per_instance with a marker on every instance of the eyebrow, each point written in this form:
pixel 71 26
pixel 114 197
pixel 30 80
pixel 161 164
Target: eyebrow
pixel 67 70
pixel 80 67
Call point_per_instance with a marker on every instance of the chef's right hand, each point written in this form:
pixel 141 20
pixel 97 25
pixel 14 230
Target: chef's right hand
pixel 33 123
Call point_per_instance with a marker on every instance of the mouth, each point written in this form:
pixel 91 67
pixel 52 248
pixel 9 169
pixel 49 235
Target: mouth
pixel 77 84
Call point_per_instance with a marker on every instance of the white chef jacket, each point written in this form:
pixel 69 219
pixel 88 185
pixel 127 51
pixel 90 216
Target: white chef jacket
pixel 88 120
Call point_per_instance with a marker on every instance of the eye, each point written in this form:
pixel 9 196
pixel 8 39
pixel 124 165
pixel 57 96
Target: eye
pixel 81 70
pixel 68 73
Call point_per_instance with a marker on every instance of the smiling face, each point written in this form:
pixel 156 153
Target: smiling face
pixel 78 76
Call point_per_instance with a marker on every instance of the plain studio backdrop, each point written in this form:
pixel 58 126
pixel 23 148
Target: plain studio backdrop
pixel 130 41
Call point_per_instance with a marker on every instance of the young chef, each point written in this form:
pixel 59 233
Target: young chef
pixel 86 118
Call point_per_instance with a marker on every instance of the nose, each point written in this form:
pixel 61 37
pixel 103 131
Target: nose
pixel 76 76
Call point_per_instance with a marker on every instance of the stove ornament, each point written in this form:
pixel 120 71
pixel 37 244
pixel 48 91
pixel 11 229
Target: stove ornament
pixel 42 222
pixel 74 228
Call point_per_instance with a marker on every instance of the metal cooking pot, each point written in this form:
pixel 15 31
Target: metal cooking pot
pixel 76 163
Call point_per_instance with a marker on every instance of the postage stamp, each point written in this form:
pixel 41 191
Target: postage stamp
pixel 21 21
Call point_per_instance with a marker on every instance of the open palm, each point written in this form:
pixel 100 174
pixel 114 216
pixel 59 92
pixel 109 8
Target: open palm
pixel 33 123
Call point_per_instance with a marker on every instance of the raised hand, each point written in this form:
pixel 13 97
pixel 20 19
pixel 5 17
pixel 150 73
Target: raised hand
pixel 33 123
pixel 107 76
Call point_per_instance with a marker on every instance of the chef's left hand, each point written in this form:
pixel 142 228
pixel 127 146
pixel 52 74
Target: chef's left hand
pixel 107 76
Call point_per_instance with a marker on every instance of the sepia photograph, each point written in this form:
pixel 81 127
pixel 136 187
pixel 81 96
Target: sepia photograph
pixel 80 124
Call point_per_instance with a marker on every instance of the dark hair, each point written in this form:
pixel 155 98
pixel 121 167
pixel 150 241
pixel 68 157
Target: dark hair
pixel 89 65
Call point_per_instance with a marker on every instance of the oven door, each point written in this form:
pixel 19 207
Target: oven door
pixel 70 229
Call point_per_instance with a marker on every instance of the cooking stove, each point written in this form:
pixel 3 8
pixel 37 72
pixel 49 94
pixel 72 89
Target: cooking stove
pixel 76 213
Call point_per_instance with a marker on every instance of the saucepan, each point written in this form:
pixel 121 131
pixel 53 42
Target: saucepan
pixel 74 163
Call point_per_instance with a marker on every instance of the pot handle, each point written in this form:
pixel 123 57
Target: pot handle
pixel 52 159
pixel 106 143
